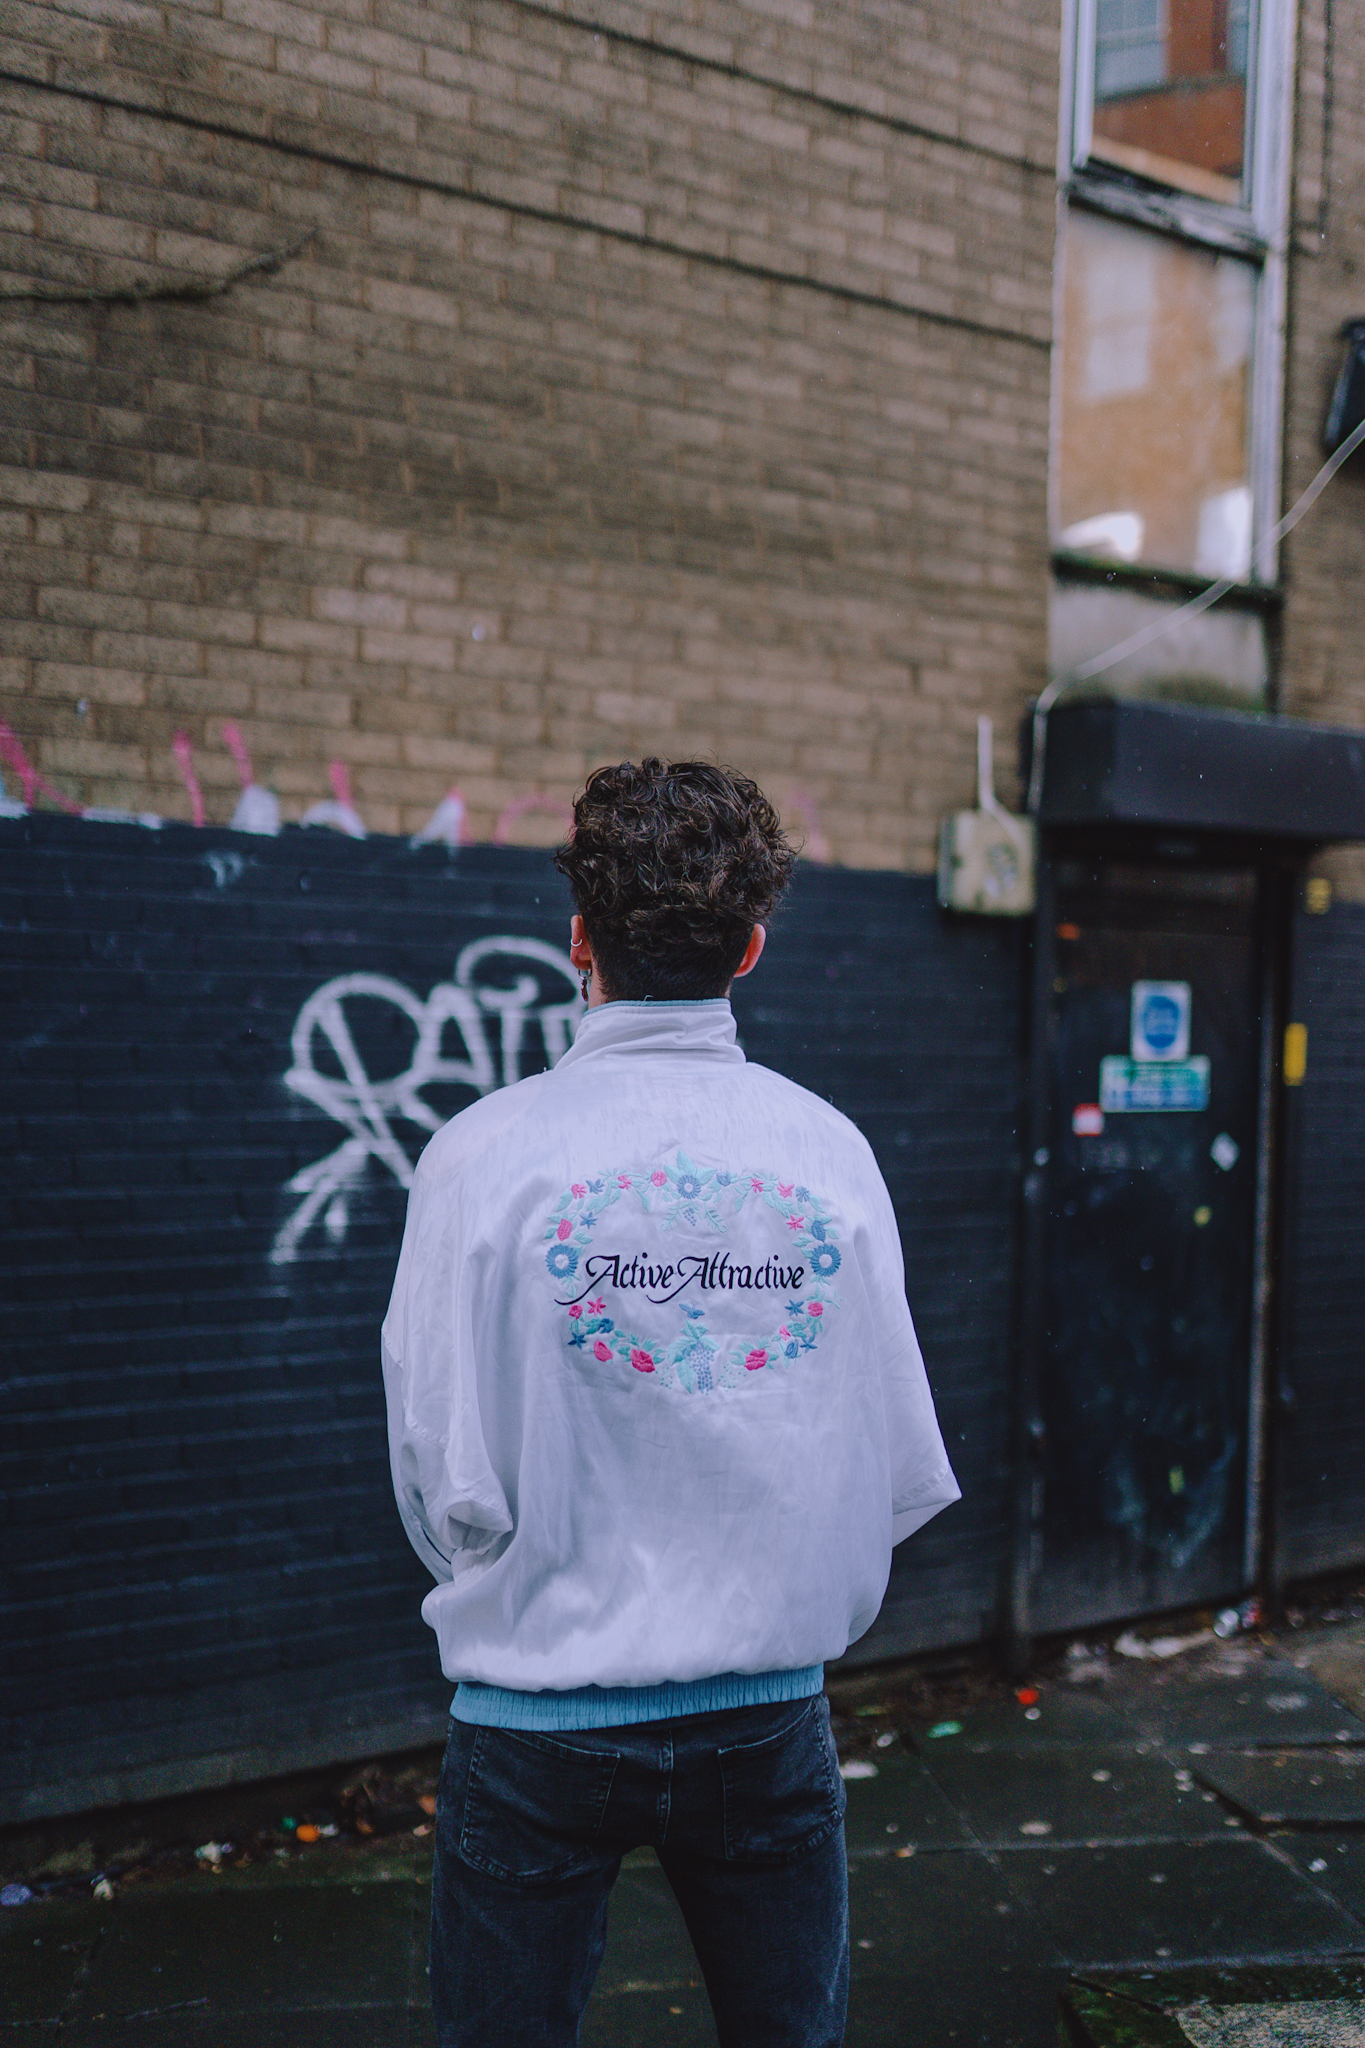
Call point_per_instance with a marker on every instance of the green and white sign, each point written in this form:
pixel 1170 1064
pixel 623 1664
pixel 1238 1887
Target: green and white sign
pixel 1130 1085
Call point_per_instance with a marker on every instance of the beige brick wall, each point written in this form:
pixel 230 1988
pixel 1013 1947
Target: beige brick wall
pixel 1324 560
pixel 669 381
pixel 1323 649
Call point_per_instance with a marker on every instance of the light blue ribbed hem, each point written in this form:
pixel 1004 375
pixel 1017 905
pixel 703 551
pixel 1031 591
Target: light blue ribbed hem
pixel 597 1706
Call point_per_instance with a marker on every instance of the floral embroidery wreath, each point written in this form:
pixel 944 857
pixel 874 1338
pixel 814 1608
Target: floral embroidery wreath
pixel 705 1199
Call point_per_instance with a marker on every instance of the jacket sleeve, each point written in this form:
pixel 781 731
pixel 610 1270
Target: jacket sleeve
pixel 452 1505
pixel 922 1480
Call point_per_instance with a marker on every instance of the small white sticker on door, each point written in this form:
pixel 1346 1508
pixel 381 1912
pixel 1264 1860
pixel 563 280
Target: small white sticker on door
pixel 1160 1021
pixel 1225 1152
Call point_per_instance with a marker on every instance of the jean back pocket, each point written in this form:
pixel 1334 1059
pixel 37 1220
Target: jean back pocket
pixel 533 1806
pixel 783 1794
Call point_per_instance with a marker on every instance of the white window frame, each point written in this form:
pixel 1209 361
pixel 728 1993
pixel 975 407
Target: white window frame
pixel 1256 228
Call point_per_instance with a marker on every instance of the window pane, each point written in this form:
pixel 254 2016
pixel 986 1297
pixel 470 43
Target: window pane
pixel 1170 91
pixel 1155 355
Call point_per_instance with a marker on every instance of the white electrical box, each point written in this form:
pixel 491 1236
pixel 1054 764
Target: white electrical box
pixel 987 858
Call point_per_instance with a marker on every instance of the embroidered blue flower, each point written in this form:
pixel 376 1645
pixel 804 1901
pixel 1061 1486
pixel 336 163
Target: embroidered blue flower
pixel 689 1187
pixel 594 1187
pixel 817 1229
pixel 789 1350
pixel 723 1180
pixel 562 1261
pixel 824 1260
pixel 803 1194
pixel 694 1314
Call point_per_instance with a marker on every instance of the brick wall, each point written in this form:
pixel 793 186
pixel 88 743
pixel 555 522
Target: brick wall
pixel 648 382
pixel 202 1572
pixel 1319 1462
pixel 1323 562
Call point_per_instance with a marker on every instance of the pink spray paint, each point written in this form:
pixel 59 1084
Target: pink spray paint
pixel 236 746
pixel 32 780
pixel 338 811
pixel 184 755
pixel 817 846
pixel 521 805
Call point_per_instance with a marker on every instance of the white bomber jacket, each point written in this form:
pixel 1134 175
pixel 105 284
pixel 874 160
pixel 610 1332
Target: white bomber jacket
pixel 656 1407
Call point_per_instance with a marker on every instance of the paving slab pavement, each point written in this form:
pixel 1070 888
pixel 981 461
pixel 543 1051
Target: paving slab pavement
pixel 1179 1901
pixel 1232 1699
pixel 1336 1658
pixel 1092 1792
pixel 1311 2005
pixel 1335 1863
pixel 1304 1788
pixel 996 1850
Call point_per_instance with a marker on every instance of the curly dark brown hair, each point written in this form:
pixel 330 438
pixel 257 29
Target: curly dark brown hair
pixel 672 864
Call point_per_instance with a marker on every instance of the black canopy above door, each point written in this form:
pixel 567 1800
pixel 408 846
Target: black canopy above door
pixel 1129 762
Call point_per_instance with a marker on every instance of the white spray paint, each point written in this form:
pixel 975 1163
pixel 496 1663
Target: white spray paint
pixel 258 809
pixel 492 1023
pixel 338 810
pixel 447 825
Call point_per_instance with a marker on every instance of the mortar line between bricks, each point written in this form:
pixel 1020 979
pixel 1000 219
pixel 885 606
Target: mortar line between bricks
pixel 805 94
pixel 572 223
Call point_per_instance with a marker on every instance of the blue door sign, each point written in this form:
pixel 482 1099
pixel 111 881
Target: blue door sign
pixel 1160 1020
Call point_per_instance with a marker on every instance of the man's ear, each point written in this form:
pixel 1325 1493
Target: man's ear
pixel 758 939
pixel 580 951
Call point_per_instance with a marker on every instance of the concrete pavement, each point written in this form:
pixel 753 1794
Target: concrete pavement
pixel 1110 1832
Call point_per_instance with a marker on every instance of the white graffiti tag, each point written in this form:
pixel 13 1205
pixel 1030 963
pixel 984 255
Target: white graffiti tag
pixel 501 987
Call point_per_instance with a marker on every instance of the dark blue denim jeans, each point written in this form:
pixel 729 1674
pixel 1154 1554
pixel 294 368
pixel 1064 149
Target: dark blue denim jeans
pixel 745 1812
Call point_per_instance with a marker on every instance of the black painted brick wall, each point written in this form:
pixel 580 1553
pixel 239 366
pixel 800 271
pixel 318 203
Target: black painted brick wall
pixel 204 1575
pixel 908 1021
pixel 1321 1445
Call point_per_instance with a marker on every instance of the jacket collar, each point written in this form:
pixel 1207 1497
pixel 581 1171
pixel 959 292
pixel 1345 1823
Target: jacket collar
pixel 706 1028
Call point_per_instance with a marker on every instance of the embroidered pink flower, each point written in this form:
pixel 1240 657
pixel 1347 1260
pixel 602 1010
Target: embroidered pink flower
pixel 623 1180
pixel 595 1308
pixel 575 1311
pixel 658 1177
pixel 565 1229
pixel 815 1308
pixel 784 1188
pixel 783 1332
pixel 602 1351
pixel 757 1186
pixel 578 1189
pixel 756 1361
pixel 796 1223
pixel 641 1360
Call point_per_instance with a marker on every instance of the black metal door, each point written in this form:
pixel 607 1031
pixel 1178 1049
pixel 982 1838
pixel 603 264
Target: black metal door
pixel 1150 1205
